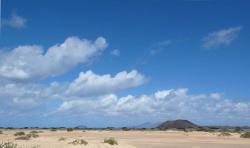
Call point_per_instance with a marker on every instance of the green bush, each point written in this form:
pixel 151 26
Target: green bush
pixel 8 145
pixel 79 142
pixel 70 129
pixel 19 134
pixel 245 135
pixel 111 141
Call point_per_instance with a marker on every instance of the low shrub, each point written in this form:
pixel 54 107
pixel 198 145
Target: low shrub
pixel 1 132
pixel 237 130
pixel 53 129
pixel 62 139
pixel 245 135
pixel 32 135
pixel 19 134
pixel 125 129
pixel 70 129
pixel 8 145
pixel 204 129
pixel 25 137
pixel 35 147
pixel 79 142
pixel 111 141
pixel 35 132
pixel 225 134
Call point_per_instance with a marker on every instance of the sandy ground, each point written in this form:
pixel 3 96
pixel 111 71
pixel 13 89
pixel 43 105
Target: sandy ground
pixel 129 139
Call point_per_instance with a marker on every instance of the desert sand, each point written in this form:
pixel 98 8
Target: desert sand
pixel 128 139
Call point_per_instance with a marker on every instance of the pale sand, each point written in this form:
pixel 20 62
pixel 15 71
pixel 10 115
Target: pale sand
pixel 130 139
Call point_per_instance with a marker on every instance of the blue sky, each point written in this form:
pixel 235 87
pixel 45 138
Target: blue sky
pixel 119 63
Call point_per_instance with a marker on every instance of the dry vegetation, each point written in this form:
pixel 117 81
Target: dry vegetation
pixel 225 134
pixel 79 142
pixel 8 145
pixel 110 141
pixel 62 139
pixel 245 135
pixel 26 138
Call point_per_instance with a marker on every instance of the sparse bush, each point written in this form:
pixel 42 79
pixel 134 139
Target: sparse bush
pixel 79 142
pixel 225 130
pixel 1 132
pixel 19 134
pixel 142 129
pixel 53 129
pixel 34 132
pixel 8 145
pixel 62 139
pixel 33 135
pixel 111 141
pixel 225 134
pixel 109 128
pixel 35 147
pixel 70 129
pixel 245 135
pixel 25 137
pixel 210 130
pixel 238 130
pixel 125 129
pixel 185 130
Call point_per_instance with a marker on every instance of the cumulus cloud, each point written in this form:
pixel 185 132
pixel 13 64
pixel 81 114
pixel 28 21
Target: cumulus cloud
pixel 21 96
pixel 177 103
pixel 89 83
pixel 115 52
pixel 18 97
pixel 172 103
pixel 15 21
pixel 31 61
pixel 222 37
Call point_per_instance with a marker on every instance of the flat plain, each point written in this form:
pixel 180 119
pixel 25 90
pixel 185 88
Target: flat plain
pixel 127 139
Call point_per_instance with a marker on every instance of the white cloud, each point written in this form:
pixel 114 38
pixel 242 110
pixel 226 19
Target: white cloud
pixel 115 52
pixel 23 96
pixel 165 104
pixel 157 48
pixel 175 103
pixel 20 97
pixel 89 83
pixel 28 62
pixel 15 21
pixel 222 37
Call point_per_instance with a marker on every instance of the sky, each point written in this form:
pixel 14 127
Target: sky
pixel 122 63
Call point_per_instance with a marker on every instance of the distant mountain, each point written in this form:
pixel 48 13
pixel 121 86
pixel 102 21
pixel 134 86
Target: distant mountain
pixel 147 125
pixel 178 124
pixel 81 127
